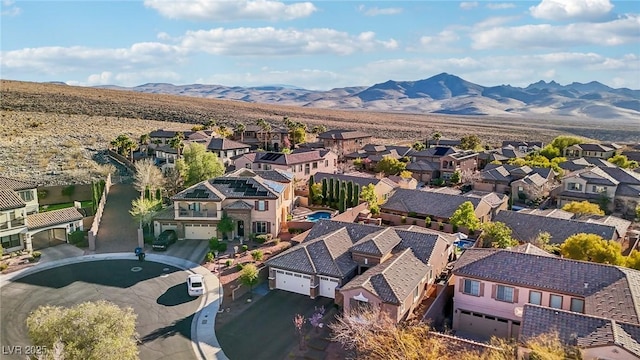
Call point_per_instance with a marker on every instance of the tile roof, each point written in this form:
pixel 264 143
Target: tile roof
pixel 556 213
pixel 15 185
pixel 343 135
pixel 527 227
pixel 508 173
pixel 621 225
pixel 165 214
pixel 225 144
pixel 10 200
pixel 436 151
pixel 576 329
pixel 422 165
pixel 239 205
pixel 275 175
pixel 234 187
pixel 609 291
pixel 583 162
pixel 518 143
pixel 378 244
pixel 592 147
pixel 296 157
pixel 529 248
pixel 432 203
pixel 393 280
pixel 52 218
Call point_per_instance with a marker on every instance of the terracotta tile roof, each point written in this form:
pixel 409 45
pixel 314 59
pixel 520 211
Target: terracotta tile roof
pixel 15 185
pixel 233 187
pixel 556 213
pixel 432 203
pixel 362 181
pixel 225 144
pixel 10 200
pixel 528 248
pixel 527 227
pixel 608 291
pixel 239 205
pixel 52 218
pixel 378 244
pixel 343 135
pixel 575 329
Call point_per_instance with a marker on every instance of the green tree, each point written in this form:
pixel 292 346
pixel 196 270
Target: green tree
pixel 418 146
pixel 147 176
pixel 470 142
pixel 240 128
pixel 317 194
pixel 210 124
pixel 562 142
pixel 356 195
pixel 224 131
pixel 336 191
pixel 358 163
pixel 436 137
pixel 90 330
pixel 465 215
pixel 249 277
pixel 310 184
pixel 145 140
pixel 368 194
pixel 225 225
pixel 124 145
pixel 298 135
pixel 198 164
pixel 633 260
pixel 638 211
pixel 623 162
pixel 331 197
pixel 318 129
pixel 390 166
pixel 266 129
pixel 497 234
pixel 349 194
pixel 592 247
pixel 581 208
pixel 543 241
pixel 325 191
pixel 143 210
pixel 342 198
pixel 177 142
pixel 550 152
pixel 406 174
pixel 455 177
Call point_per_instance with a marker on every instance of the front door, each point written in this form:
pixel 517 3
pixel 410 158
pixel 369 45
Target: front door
pixel 240 228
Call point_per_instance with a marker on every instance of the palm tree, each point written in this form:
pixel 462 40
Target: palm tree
pixel 123 145
pixel 145 139
pixel 223 131
pixel 210 124
pixel 437 136
pixel 266 128
pixel 177 143
pixel 240 128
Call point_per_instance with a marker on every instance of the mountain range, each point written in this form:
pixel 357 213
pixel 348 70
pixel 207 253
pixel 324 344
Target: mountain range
pixel 440 94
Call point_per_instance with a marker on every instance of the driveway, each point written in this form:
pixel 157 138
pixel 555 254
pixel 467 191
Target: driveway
pixel 265 330
pixel 192 250
pixel 157 293
pixel 118 231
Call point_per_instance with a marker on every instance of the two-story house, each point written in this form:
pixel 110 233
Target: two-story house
pixel 22 227
pixel 501 155
pixel 163 137
pixel 227 149
pixel 256 206
pixel 165 157
pixel 372 154
pixel 518 181
pixel 273 139
pixel 523 146
pixel 301 162
pixel 441 162
pixel 492 286
pixel 343 142
pixel 613 188
pixel 601 151
pixel 461 161
pixel 359 265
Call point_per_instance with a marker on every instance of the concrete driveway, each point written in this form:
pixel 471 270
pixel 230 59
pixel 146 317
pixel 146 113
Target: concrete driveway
pixel 157 293
pixel 265 330
pixel 192 250
pixel 118 231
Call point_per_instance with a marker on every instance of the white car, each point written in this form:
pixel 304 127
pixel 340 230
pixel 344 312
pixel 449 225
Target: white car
pixel 195 285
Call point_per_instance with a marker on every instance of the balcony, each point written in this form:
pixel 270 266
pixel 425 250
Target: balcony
pixel 197 214
pixel 13 223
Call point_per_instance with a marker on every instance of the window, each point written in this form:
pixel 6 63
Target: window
pixel 471 287
pixel 261 205
pixel 577 305
pixel 574 186
pixel 261 227
pixel 314 165
pixel 10 241
pixel 267 167
pixel 504 293
pixel 535 297
pixel 416 293
pixel 26 195
pixel 247 165
pixel 555 301
pixel 307 169
pixel 326 163
pixel 599 189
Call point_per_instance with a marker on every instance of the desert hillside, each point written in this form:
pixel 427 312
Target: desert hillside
pixel 57 133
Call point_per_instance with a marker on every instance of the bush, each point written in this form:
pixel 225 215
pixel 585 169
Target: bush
pixel 403 220
pixel 213 243
pixel 245 248
pixel 294 231
pixel 222 247
pixel 209 257
pixel 427 221
pixel 36 254
pixel 78 238
pixel 257 255
pixel 261 239
pixel 3 266
pixel 229 262
pixel 412 214
pixel 239 266
pixel 455 228
pixel 276 241
pixel 440 225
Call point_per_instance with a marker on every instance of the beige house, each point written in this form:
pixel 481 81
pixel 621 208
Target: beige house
pixel 256 204
pixel 273 139
pixel 492 290
pixel 302 163
pixel 520 182
pixel 343 142
pixel 227 149
pixel 601 151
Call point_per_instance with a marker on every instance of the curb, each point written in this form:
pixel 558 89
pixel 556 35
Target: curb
pixel 203 335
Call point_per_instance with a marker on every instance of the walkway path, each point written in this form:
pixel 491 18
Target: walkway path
pixel 118 230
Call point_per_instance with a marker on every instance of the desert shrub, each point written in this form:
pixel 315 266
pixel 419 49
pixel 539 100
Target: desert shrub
pixel 294 231
pixel 222 247
pixel 257 255
pixel 78 238
pixel 276 241
pixel 245 248
pixel 412 214
pixel 240 266
pixel 209 257
pixel 403 220
pixel 427 221
pixel 229 262
pixel 440 225
pixel 3 266
pixel 261 239
pixel 36 254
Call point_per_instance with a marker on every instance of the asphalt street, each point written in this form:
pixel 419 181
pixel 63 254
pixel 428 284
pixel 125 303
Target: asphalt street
pixel 156 292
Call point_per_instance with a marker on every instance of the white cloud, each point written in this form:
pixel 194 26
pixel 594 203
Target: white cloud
pixel 375 11
pixel 500 6
pixel 468 5
pixel 442 42
pixel 10 9
pixel 494 21
pixel 571 9
pixel 210 10
pixel 269 41
pixel 621 31
pixel 305 78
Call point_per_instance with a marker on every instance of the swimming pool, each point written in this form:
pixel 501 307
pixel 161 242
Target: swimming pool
pixel 318 215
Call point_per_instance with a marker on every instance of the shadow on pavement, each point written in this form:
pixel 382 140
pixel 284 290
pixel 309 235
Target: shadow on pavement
pixel 115 273
pixel 180 327
pixel 176 295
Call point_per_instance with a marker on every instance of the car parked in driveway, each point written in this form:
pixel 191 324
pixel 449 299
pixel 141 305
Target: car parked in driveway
pixel 195 285
pixel 165 239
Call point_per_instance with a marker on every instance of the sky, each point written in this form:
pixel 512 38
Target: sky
pixel 319 45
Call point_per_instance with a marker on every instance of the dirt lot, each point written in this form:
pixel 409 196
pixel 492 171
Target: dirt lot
pixel 57 133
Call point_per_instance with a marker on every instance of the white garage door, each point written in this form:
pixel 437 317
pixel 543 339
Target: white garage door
pixel 328 287
pixel 484 325
pixel 199 231
pixel 294 282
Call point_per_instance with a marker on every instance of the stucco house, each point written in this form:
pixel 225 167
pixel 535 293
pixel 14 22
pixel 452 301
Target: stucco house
pixel 596 337
pixel 441 162
pixel 602 151
pixel 523 146
pixel 302 163
pixel 227 149
pixel 501 155
pixel 255 204
pixel 274 139
pixel 343 142
pixel 22 227
pixel 515 180
pixel 163 137
pixel 363 265
pixel 372 154
pixel 441 206
pixel 492 287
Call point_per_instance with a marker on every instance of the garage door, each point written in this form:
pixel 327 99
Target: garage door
pixel 199 231
pixel 169 226
pixel 328 287
pixel 294 282
pixel 484 325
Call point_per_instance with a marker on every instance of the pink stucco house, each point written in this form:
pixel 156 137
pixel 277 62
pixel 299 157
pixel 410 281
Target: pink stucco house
pixel 301 162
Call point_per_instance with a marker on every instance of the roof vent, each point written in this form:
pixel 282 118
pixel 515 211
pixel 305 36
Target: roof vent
pixel 586 285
